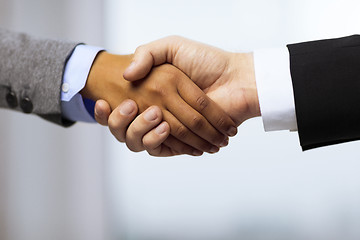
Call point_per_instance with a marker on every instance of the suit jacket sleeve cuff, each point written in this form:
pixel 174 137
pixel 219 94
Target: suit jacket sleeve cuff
pixel 275 90
pixel 75 75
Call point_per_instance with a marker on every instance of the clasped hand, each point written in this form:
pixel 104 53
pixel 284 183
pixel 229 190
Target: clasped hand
pixel 187 116
pixel 196 123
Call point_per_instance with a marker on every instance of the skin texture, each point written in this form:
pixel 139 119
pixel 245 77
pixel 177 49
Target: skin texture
pixel 227 78
pixel 196 123
pixel 137 131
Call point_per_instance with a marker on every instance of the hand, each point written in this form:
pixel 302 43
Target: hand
pixel 143 133
pixel 227 78
pixel 179 99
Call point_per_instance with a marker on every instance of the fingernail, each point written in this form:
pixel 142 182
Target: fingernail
pixel 150 115
pixel 224 143
pixel 130 68
pixel 126 108
pixel 161 129
pixel 232 131
pixel 214 149
pixel 197 153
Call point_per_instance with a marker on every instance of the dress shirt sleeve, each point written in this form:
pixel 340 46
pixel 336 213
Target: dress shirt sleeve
pixel 75 75
pixel 275 90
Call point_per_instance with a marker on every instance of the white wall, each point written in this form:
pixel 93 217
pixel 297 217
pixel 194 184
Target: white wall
pixel 260 187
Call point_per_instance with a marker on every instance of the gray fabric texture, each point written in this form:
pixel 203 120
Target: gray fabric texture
pixel 33 67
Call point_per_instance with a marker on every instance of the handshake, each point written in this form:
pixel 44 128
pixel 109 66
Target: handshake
pixel 173 96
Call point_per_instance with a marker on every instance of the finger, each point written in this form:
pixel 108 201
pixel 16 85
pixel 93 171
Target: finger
pixel 165 151
pixel 198 100
pixel 179 148
pixel 191 119
pixel 143 123
pixel 162 151
pixel 155 137
pixel 153 141
pixel 182 133
pixel 121 117
pixel 151 54
pixel 102 112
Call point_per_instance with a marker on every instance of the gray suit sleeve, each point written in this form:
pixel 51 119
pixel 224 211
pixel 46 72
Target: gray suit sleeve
pixel 31 73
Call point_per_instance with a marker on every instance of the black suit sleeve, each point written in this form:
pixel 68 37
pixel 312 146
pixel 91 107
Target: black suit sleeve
pixel 326 83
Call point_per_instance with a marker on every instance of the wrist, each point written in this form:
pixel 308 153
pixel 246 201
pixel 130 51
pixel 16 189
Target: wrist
pixel 105 80
pixel 244 72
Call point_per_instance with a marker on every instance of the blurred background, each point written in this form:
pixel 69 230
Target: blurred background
pixel 79 183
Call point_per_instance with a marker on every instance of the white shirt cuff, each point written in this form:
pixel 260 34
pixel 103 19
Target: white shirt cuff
pixel 275 90
pixel 75 75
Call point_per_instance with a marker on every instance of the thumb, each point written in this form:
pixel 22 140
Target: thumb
pixel 150 55
pixel 139 67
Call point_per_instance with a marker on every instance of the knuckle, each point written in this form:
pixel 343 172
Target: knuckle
pixel 135 130
pixel 133 148
pixel 140 48
pixel 174 38
pixel 182 132
pixel 221 122
pixel 198 122
pixel 155 152
pixel 113 123
pixel 202 102
pixel 117 135
pixel 160 90
pixel 116 131
pixel 218 138
pixel 183 149
pixel 205 146
pixel 148 143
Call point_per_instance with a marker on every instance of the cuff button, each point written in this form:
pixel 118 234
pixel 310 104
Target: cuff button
pixel 65 87
pixel 11 99
pixel 26 105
